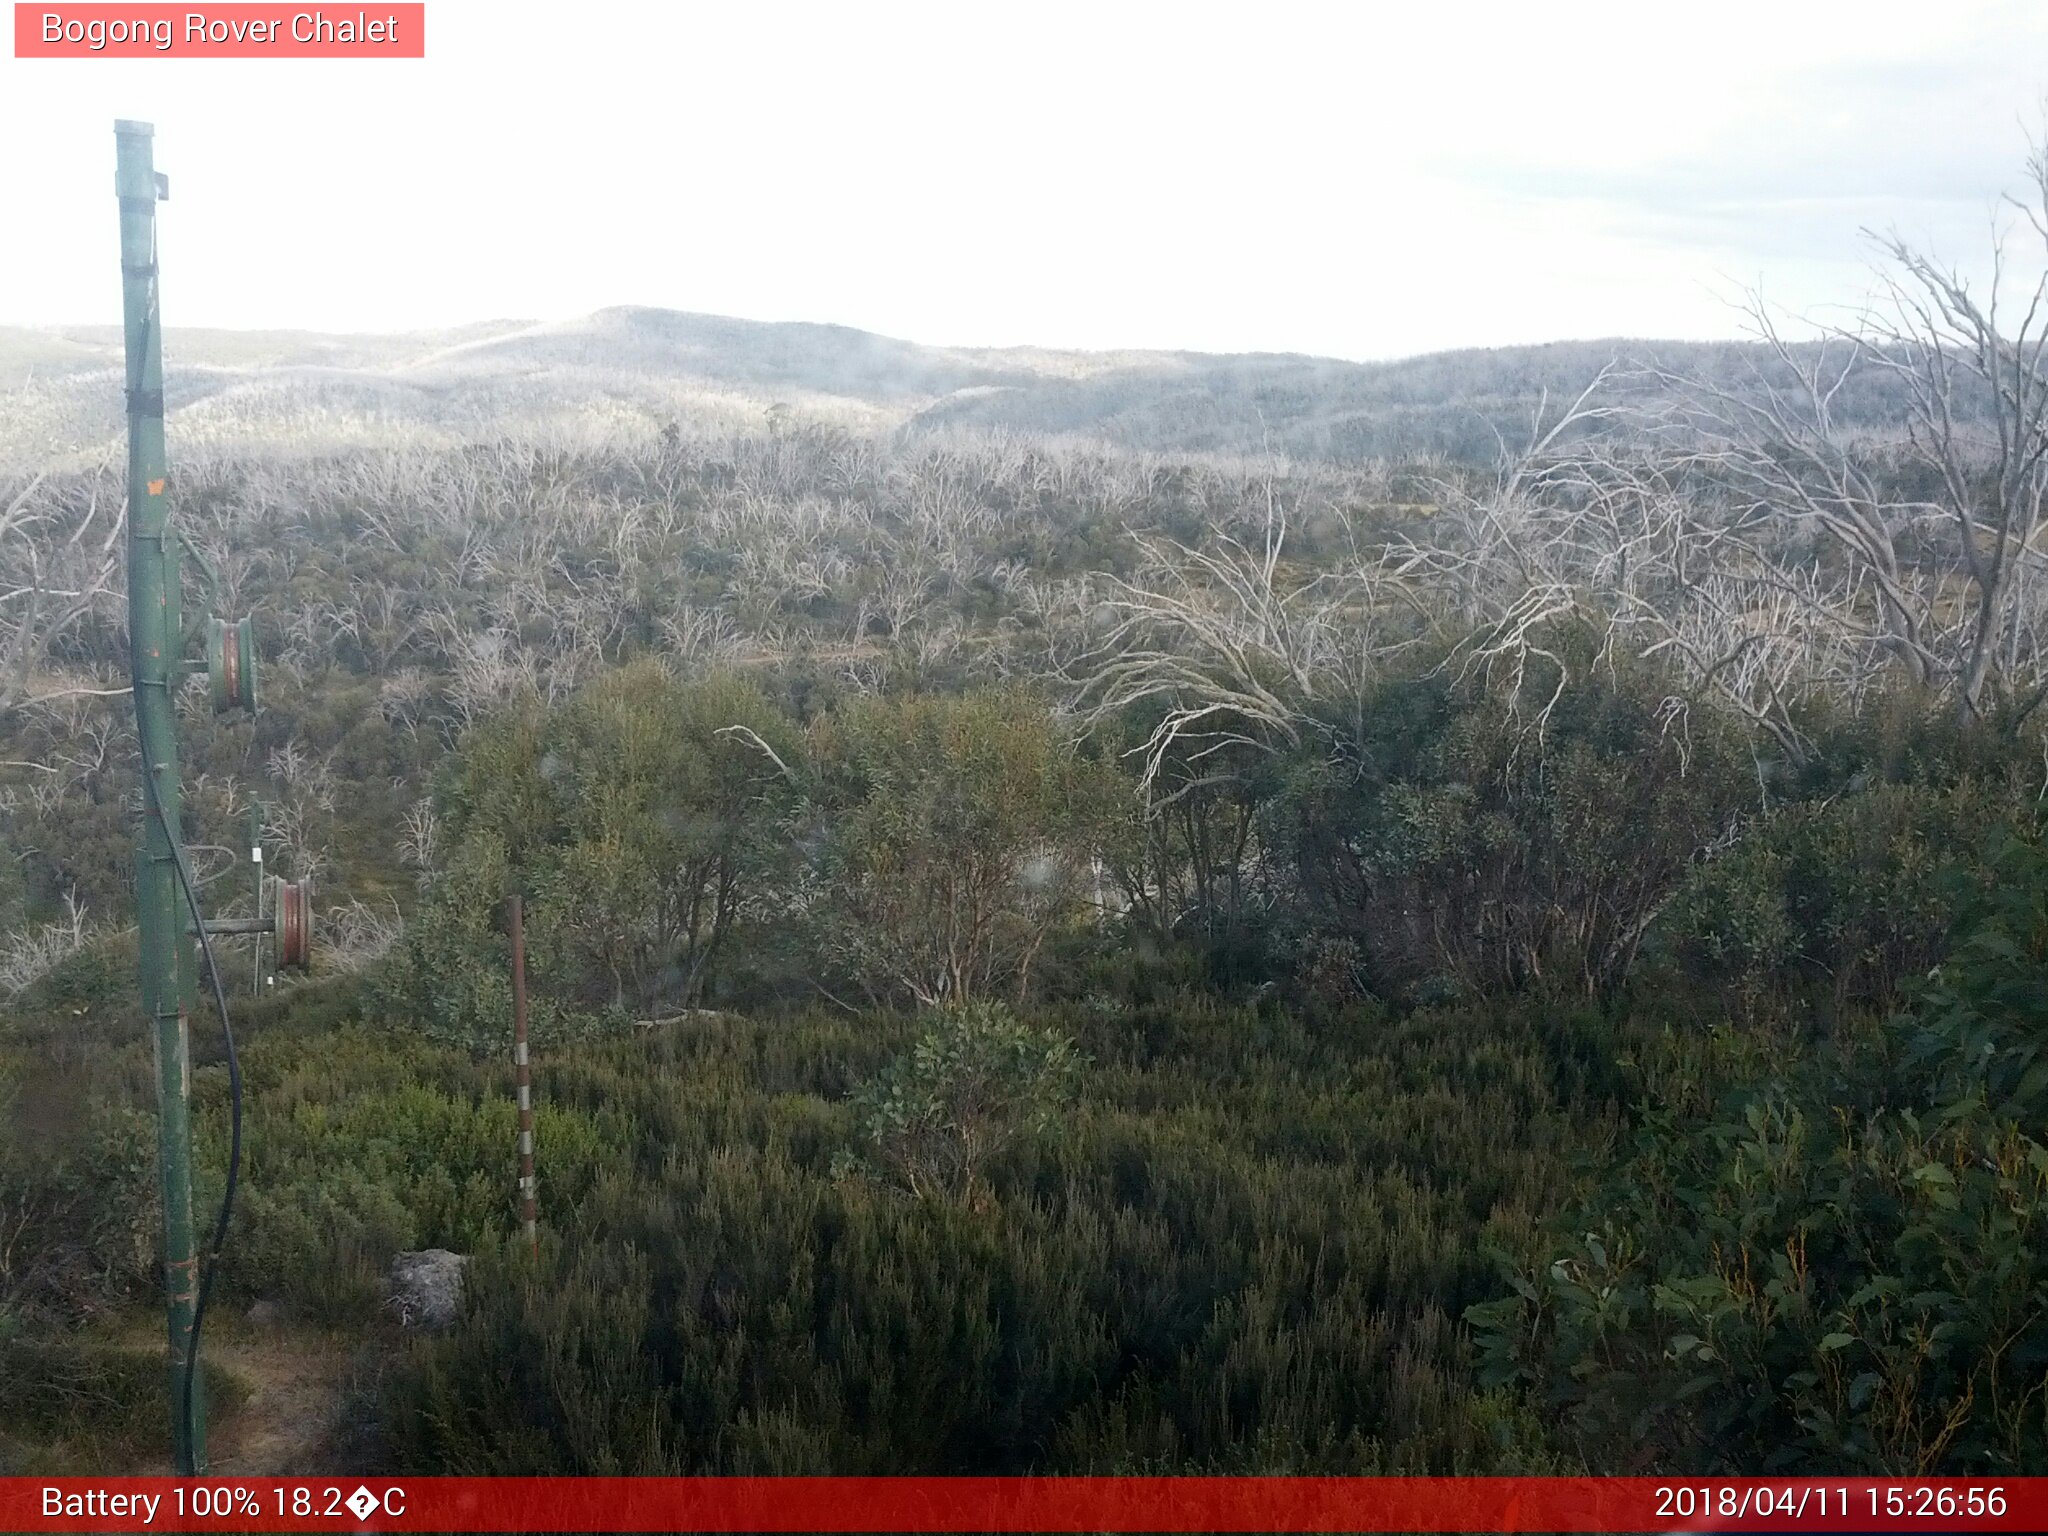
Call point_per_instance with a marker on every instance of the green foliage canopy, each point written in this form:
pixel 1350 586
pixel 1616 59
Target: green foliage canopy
pixel 959 834
pixel 643 817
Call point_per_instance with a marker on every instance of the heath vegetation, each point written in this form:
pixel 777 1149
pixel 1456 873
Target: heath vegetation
pixel 1502 928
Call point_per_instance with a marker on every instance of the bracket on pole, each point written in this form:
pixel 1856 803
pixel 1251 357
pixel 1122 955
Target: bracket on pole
pixel 289 923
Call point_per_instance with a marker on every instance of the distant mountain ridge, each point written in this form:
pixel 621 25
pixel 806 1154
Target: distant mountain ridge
pixel 638 367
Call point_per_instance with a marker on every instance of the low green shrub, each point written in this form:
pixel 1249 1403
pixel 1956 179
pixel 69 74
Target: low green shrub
pixel 78 1208
pixel 1246 1250
pixel 74 1406
pixel 973 1084
pixel 361 1143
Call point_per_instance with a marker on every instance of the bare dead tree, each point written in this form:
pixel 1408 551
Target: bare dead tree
pixel 403 698
pixel 488 672
pixel 1769 461
pixel 1605 538
pixel 27 956
pixel 1949 350
pixel 420 841
pixel 1234 651
pixel 354 935
pixel 1918 556
pixel 698 638
pixel 57 565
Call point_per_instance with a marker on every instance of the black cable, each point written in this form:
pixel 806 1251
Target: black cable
pixel 227 1029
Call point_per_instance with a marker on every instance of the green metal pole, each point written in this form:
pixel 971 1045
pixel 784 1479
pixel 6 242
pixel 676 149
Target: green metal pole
pixel 156 642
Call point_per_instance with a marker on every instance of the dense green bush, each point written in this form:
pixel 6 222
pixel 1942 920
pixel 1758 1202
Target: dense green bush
pixel 1851 891
pixel 671 799
pixel 645 820
pixel 1840 1269
pixel 1473 837
pixel 1195 869
pixel 450 976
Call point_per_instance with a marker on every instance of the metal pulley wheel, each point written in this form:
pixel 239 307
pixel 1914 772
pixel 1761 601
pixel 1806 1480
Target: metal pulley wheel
pixel 231 664
pixel 292 912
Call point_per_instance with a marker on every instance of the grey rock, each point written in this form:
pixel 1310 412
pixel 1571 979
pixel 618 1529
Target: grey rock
pixel 424 1289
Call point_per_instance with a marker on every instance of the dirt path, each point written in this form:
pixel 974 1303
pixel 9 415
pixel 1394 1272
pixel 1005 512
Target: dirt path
pixel 296 1382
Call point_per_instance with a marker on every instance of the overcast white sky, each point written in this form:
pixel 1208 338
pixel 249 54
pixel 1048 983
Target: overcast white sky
pixel 1356 180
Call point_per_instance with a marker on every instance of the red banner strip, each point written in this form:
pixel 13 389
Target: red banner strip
pixel 1007 1504
pixel 376 30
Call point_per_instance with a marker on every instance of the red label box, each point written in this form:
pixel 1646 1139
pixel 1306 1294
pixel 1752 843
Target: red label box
pixel 1025 1504
pixel 225 31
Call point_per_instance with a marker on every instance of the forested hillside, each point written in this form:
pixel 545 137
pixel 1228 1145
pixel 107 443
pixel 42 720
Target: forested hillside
pixel 627 371
pixel 1087 914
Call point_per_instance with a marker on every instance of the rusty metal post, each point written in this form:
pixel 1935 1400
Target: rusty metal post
pixel 523 1075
